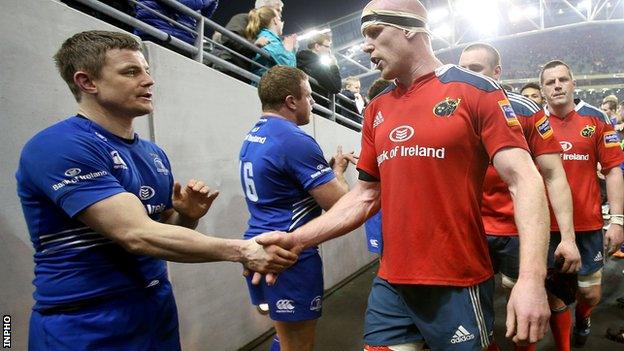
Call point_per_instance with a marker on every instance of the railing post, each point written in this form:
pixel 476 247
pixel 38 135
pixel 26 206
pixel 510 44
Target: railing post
pixel 332 107
pixel 199 40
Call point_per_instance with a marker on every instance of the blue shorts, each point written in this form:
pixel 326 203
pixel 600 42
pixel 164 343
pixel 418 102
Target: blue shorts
pixel 445 317
pixel 505 254
pixel 298 293
pixel 145 320
pixel 372 227
pixel 590 245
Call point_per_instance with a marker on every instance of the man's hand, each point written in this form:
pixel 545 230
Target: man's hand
pixel 193 200
pixel 527 312
pixel 340 161
pixel 614 237
pixel 266 259
pixel 568 251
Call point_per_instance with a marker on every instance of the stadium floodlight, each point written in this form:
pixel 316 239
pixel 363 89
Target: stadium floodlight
pixel 442 31
pixel 516 14
pixel 311 33
pixel 482 13
pixel 437 15
pixel 584 5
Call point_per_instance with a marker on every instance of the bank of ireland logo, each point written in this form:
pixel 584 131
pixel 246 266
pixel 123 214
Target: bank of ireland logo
pixel 566 145
pixel 146 192
pixel 72 172
pixel 285 306
pixel 401 134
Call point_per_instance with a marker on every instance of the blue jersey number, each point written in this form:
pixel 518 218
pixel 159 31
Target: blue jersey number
pixel 250 186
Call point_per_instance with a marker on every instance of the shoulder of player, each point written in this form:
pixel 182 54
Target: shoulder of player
pixel 457 74
pixel 521 105
pixel 584 109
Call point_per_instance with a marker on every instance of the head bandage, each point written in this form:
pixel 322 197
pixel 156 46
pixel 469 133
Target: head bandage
pixel 402 20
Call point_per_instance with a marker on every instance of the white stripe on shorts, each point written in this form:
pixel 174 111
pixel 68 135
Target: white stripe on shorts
pixel 476 307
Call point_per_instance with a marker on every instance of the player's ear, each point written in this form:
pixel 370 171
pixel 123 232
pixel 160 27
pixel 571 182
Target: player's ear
pixel 84 82
pixel 290 102
pixel 409 34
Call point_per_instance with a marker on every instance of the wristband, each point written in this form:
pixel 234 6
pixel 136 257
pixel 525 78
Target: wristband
pixel 617 219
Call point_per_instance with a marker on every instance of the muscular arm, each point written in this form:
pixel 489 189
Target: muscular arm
pixel 123 219
pixel 615 196
pixel 527 309
pixel 345 215
pixel 559 193
pixel 530 210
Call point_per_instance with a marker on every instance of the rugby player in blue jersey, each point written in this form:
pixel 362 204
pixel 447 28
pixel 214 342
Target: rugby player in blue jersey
pixel 287 182
pixel 103 212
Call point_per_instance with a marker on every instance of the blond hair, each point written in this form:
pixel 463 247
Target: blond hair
pixel 258 19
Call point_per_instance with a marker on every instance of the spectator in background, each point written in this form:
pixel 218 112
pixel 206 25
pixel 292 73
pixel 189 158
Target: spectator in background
pixel 206 8
pixel 532 91
pixel 609 107
pixel 352 91
pixel 378 86
pixel 237 24
pixel 267 22
pixel 318 62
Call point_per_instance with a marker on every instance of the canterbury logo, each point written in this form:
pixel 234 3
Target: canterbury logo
pixel 285 305
pixel 401 134
pixel 461 335
pixel 146 192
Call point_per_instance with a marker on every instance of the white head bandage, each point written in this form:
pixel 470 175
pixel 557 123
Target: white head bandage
pixel 402 20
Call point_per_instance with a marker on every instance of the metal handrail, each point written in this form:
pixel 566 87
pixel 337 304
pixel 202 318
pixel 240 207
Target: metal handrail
pixel 197 51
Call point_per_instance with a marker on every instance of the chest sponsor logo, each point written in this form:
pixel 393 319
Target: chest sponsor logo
pixel 146 192
pixel 285 306
pixel 410 151
pixel 588 131
pixel 118 162
pixel 154 209
pixel 255 139
pixel 378 119
pixel 160 166
pixel 72 172
pixel 543 128
pixel 446 107
pixel 567 146
pixel 401 134
pixel 611 139
pixel 316 304
pixel 508 112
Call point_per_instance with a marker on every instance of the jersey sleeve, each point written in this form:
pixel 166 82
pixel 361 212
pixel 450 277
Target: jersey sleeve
pixel 305 161
pixel 539 135
pixel 368 160
pixel 497 123
pixel 72 173
pixel 608 146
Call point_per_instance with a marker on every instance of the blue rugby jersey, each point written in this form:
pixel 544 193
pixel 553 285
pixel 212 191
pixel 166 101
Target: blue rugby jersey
pixel 279 164
pixel 63 170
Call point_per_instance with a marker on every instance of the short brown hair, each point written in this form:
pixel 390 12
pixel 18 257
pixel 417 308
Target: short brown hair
pixel 553 64
pixel 495 57
pixel 277 83
pixel 611 104
pixel 318 39
pixel 86 51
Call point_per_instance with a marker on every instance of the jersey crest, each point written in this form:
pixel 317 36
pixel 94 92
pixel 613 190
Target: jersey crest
pixel 588 131
pixel 446 107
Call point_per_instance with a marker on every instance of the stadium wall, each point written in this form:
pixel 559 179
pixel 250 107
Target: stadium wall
pixel 200 119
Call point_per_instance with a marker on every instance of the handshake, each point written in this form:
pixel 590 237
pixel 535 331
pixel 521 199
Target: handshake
pixel 269 253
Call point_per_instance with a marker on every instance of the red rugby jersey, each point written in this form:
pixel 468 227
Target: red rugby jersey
pixel 587 137
pixel 429 145
pixel 497 206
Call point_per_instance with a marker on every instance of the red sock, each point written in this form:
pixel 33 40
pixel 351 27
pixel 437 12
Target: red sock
pixel 531 347
pixel 583 310
pixel 561 326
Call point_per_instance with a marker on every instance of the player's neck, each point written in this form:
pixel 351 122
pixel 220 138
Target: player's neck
pixel 281 114
pixel 420 68
pixel 120 126
pixel 561 110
